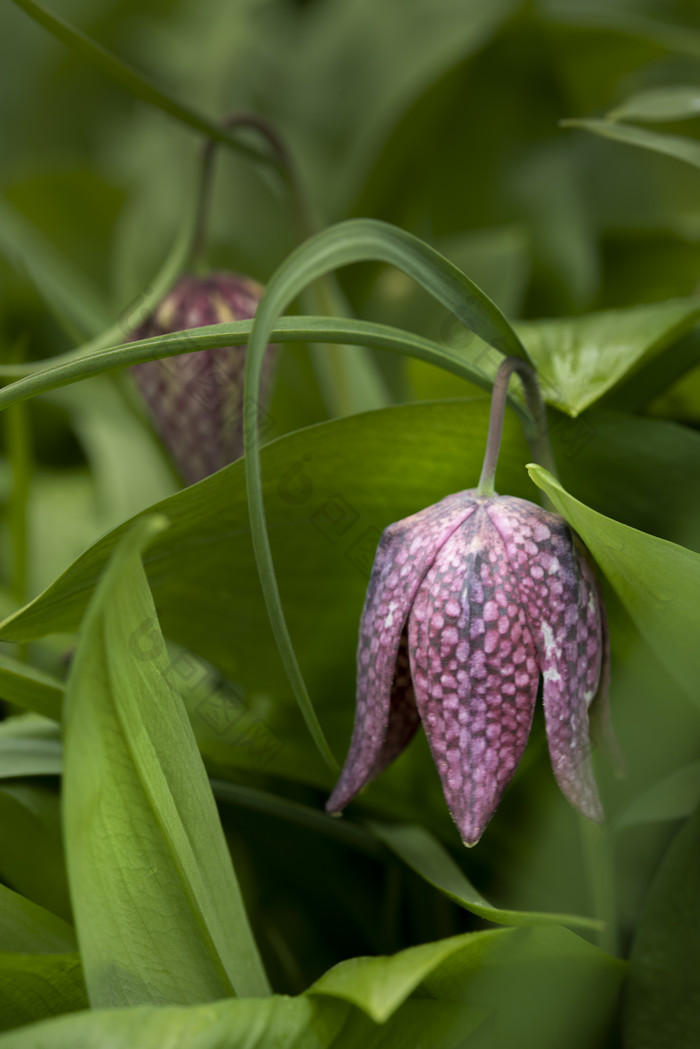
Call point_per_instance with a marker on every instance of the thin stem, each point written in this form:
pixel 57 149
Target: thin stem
pixel 19 447
pixel 283 163
pixel 536 432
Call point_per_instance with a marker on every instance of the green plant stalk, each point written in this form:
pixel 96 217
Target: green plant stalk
pixel 535 428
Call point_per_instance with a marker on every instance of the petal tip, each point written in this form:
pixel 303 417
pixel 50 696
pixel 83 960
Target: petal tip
pixel 471 843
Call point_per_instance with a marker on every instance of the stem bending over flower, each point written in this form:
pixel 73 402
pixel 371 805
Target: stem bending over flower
pixel 537 432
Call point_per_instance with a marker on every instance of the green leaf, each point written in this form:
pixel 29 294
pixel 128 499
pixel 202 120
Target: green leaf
pixel 600 463
pixel 352 241
pixel 175 929
pixel 658 582
pixel 380 985
pixel 663 997
pixel 136 84
pixel 330 491
pixel 68 293
pixel 675 102
pixel 685 149
pixel 29 757
pixel 29 929
pixel 27 687
pixel 545 987
pixel 579 359
pixel 35 986
pixel 673 798
pixel 424 854
pixel 41 376
pixel 31 851
pixel 279 1022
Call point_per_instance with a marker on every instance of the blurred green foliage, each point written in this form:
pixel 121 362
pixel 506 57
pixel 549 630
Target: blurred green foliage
pixel 443 118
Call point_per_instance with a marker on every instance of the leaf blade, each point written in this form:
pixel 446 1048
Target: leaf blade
pixel 176 930
pixel 657 581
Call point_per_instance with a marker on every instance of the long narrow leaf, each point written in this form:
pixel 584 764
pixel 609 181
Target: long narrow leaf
pixel 27 928
pixel 159 914
pixel 685 149
pixel 30 688
pixel 135 83
pixel 50 374
pixel 428 858
pixel 348 242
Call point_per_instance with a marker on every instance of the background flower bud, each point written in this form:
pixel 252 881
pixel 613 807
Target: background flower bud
pixel 196 399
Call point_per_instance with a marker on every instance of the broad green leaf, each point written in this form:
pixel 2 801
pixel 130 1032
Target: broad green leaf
pixel 38 986
pixel 656 377
pixel 279 1022
pixel 330 491
pixel 663 997
pixel 424 854
pixel 658 582
pixel 136 84
pixel 356 240
pixel 31 851
pixel 29 929
pixel 27 687
pixel 685 149
pixel 578 359
pixel 675 102
pixel 175 929
pixel 379 986
pixel 673 798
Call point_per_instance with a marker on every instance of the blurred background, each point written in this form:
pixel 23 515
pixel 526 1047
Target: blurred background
pixel 439 116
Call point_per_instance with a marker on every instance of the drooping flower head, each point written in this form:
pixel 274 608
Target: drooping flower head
pixel 471 603
pixel 196 399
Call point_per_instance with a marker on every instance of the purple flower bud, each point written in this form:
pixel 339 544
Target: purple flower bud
pixel 471 602
pixel 196 399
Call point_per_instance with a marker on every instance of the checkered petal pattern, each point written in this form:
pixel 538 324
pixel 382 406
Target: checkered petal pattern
pixel 196 399
pixel 471 603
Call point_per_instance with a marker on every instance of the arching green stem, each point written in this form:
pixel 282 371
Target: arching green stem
pixel 536 432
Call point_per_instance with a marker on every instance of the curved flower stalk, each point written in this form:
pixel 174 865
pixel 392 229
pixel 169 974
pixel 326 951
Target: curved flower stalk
pixel 196 399
pixel 471 603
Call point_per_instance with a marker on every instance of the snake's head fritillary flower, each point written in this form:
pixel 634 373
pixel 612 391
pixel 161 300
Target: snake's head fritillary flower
pixel 471 603
pixel 196 399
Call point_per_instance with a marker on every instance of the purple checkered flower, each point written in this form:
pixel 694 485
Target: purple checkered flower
pixel 196 399
pixel 471 603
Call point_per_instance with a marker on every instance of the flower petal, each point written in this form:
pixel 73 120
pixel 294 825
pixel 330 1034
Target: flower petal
pixel 475 672
pixel 562 605
pixel 406 551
